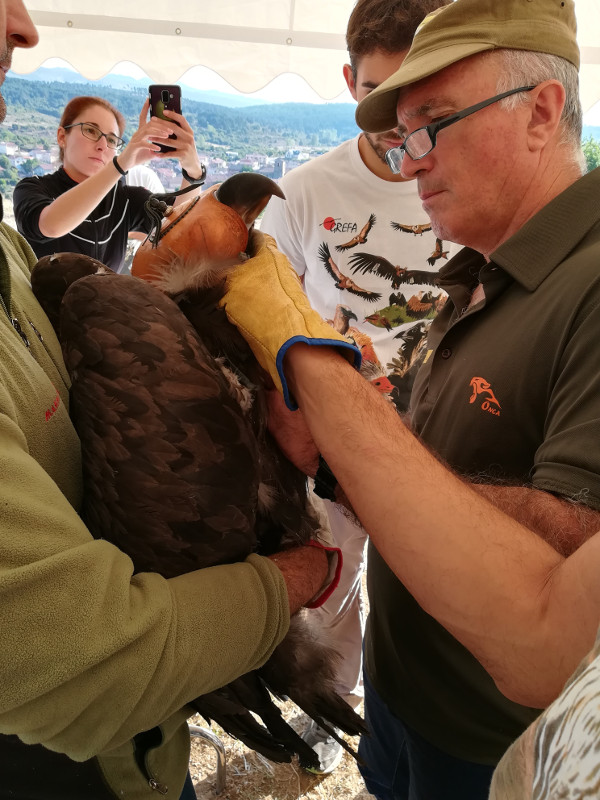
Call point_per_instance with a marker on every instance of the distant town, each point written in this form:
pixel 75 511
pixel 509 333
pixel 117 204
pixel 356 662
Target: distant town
pixel 44 160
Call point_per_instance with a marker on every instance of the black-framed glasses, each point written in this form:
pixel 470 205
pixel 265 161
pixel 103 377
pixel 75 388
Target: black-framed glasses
pixel 95 134
pixel 421 142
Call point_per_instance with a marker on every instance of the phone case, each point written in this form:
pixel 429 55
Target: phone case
pixel 164 96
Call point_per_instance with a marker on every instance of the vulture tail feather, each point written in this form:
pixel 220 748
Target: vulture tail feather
pixel 304 669
pixel 230 707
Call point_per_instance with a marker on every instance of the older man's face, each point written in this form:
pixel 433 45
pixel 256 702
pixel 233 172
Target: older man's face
pixel 17 31
pixel 473 182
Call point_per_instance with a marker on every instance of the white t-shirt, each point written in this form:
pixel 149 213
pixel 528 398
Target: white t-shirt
pixel 141 175
pixel 365 249
pixel 557 756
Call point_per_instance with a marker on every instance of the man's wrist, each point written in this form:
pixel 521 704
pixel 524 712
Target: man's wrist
pixel 301 353
pixel 305 570
pixel 303 365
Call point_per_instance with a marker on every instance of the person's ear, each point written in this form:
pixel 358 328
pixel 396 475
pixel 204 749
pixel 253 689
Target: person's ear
pixel 61 136
pixel 546 109
pixel 349 78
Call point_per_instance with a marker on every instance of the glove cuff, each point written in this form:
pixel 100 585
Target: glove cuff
pixel 350 351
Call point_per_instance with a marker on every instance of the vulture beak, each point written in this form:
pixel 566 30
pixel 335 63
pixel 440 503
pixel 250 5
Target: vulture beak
pixel 247 194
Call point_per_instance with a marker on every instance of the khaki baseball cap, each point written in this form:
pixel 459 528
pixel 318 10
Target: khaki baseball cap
pixel 466 27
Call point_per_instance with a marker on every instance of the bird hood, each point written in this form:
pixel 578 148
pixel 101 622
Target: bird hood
pixel 207 234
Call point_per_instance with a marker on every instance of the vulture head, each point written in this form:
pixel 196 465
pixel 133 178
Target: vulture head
pixel 201 240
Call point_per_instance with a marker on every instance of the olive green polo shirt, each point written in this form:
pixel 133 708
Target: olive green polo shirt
pixel 510 390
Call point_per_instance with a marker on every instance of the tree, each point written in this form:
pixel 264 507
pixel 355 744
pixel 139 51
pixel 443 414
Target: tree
pixel 8 174
pixel 30 167
pixel 591 151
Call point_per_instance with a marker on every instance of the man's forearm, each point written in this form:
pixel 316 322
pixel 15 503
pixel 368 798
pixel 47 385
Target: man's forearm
pixel 563 524
pixel 496 586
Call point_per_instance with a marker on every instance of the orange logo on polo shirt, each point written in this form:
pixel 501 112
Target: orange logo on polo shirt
pixel 482 390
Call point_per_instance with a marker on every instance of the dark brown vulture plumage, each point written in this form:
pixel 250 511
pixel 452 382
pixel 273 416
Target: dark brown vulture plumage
pixel 180 471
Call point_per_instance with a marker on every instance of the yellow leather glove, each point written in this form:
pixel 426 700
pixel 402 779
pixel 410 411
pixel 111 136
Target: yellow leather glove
pixel 266 302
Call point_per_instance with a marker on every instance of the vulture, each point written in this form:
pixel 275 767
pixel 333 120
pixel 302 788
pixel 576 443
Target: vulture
pixel 418 230
pixel 343 281
pixel 361 236
pixel 180 470
pixel 439 252
pixel 367 262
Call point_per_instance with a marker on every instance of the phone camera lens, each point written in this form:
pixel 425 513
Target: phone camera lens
pixel 164 96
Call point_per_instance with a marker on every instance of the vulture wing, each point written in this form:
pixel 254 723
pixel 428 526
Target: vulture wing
pixel 421 277
pixel 367 262
pixel 170 466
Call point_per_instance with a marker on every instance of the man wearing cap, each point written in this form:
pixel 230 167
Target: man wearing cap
pixel 473 618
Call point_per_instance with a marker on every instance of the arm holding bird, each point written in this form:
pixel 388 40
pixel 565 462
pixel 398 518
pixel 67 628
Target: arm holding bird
pixel 526 612
pixel 84 638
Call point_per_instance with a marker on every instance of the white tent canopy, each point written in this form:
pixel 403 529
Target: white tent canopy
pixel 247 42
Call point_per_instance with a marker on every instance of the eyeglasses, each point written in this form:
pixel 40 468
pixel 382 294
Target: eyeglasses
pixel 95 134
pixel 421 142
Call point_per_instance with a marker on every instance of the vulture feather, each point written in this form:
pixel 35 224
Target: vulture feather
pixel 180 471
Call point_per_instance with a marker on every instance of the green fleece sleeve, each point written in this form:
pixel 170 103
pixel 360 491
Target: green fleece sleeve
pixel 25 257
pixel 91 654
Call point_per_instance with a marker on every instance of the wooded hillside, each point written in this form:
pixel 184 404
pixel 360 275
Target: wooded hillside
pixel 266 128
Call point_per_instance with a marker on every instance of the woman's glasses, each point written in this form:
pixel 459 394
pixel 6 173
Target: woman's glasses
pixel 95 134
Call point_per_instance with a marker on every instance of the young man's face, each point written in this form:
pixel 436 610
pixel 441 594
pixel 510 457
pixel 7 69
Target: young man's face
pixel 371 70
pixel 17 30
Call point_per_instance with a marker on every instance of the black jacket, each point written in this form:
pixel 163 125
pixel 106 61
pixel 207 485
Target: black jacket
pixel 103 235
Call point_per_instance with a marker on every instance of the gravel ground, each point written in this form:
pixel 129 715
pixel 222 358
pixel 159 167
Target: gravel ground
pixel 250 776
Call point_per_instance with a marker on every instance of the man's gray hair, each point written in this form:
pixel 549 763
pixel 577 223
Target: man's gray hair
pixel 526 68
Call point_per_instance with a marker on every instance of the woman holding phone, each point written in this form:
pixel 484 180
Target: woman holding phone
pixel 86 206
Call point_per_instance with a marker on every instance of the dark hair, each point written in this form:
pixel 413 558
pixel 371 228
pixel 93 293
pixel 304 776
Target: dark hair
pixel 78 105
pixel 386 25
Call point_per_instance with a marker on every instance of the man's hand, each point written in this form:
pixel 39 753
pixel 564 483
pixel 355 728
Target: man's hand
pixel 290 431
pixel 304 570
pixel 265 301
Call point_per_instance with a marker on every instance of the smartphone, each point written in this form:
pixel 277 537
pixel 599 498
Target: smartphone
pixel 164 96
